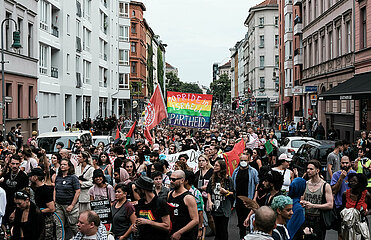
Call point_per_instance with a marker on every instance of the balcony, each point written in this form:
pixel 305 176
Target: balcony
pixel 335 64
pixel 287 9
pixel 288 64
pixel 55 31
pixel 54 72
pixel 298 28
pixel 298 57
pixel 288 36
pixel 297 2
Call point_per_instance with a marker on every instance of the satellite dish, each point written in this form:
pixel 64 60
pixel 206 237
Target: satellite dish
pixel 135 104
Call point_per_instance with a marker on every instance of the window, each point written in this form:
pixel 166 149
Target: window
pixel 349 37
pixel 276 40
pixel 78 26
pixel 133 28
pixel 309 12
pixel 86 39
pixel 338 31
pixel 323 52
pixel 124 81
pixel 68 63
pixel 78 60
pixel 276 61
pixel 86 71
pixel 133 47
pixel 261 22
pixel 288 22
pixel 288 50
pixel 330 53
pixel 261 62
pixel 87 9
pixel 315 52
pixel 329 4
pixel 123 57
pixel 30 40
pixel 124 9
pixel 133 67
pixel 124 33
pixel 288 78
pixel 261 45
pixel 304 16
pixel 310 55
pixel 315 5
pixel 305 63
pixel 262 83
pixel 20 29
pixel 363 28
pixel 276 21
pixel 133 13
pixel 68 24
pixel 43 61
pixel 44 15
pixel 322 6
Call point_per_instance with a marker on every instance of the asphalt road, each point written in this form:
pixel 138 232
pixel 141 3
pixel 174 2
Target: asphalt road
pixel 233 231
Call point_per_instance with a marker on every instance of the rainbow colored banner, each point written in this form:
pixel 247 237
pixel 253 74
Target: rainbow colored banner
pixel 189 109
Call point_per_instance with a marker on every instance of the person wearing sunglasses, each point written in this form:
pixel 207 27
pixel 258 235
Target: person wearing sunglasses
pixel 28 219
pixel 185 219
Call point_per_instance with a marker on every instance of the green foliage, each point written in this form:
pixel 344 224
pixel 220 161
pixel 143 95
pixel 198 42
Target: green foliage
pixel 175 85
pixel 221 89
pixel 150 69
pixel 160 69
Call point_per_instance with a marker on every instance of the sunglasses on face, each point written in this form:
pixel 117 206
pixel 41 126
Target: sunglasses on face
pixel 174 179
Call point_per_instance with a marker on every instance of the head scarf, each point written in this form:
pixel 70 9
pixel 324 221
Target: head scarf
pixel 124 176
pixel 297 189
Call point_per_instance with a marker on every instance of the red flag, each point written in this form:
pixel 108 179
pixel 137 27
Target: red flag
pixel 148 136
pixel 117 133
pixel 232 158
pixel 155 110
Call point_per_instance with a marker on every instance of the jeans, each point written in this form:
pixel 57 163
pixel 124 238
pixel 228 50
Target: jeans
pixel 69 219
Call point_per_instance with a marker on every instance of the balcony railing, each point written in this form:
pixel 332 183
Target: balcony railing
pixel 54 72
pixel 55 31
pixel 298 27
pixel 336 64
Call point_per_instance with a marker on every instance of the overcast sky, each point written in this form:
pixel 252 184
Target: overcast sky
pixel 198 32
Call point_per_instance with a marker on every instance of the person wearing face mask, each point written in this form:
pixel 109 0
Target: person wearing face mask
pixel 245 179
pixel 339 184
pixel 153 218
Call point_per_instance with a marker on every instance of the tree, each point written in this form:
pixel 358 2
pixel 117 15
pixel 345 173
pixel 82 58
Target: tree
pixel 221 89
pixel 150 69
pixel 175 85
pixel 160 69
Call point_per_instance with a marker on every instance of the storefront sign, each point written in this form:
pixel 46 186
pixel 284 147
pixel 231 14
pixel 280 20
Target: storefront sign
pixel 297 90
pixel 345 97
pixel 311 89
pixel 313 97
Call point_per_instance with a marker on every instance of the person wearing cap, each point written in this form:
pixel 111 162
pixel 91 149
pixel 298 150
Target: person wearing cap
pixel 28 220
pixel 153 218
pixel 44 200
pixel 282 166
pixel 156 147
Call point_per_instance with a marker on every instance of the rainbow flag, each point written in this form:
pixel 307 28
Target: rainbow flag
pixel 189 109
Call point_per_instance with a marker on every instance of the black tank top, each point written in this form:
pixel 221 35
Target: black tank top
pixel 180 216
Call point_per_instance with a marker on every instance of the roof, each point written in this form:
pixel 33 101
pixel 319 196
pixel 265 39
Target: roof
pixel 140 4
pixel 169 66
pixel 266 3
pixel 358 87
pixel 226 65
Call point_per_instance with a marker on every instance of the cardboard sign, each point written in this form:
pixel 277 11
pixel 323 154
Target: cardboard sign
pixel 103 209
pixel 192 161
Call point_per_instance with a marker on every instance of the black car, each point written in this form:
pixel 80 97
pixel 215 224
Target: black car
pixel 316 149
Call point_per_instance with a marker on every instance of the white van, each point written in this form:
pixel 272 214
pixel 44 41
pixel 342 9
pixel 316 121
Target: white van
pixel 49 140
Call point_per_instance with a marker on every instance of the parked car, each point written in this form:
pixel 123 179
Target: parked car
pixel 318 150
pixel 290 145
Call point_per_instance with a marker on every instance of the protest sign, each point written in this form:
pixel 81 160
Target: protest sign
pixel 192 161
pixel 103 209
pixel 189 109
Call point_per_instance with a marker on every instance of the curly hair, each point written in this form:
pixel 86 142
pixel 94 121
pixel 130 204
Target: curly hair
pixel 221 175
pixel 280 202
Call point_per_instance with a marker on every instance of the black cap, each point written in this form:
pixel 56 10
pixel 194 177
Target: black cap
pixel 144 182
pixel 36 172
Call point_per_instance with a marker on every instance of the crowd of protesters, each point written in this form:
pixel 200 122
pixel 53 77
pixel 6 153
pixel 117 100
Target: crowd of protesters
pixel 42 198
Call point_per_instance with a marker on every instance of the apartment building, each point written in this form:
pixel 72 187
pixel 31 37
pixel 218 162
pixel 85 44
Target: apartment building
pixel 328 60
pixel 234 72
pixel 21 64
pixel 83 61
pixel 262 37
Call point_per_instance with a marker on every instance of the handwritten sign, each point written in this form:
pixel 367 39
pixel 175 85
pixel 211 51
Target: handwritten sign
pixel 103 209
pixel 192 161
pixel 189 109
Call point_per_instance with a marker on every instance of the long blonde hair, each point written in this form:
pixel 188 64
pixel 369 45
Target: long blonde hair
pixel 208 161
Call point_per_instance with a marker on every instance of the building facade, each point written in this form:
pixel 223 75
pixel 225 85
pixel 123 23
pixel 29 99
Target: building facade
pixel 21 64
pixel 262 23
pixel 90 77
pixel 328 51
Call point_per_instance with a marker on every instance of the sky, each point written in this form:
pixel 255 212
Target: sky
pixel 198 32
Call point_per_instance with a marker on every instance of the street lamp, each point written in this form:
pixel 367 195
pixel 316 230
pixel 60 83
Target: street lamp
pixel 16 45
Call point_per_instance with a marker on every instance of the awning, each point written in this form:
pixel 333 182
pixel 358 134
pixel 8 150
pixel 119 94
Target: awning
pixel 358 87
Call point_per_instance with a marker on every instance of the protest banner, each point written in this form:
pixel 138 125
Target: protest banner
pixel 192 161
pixel 189 109
pixel 103 209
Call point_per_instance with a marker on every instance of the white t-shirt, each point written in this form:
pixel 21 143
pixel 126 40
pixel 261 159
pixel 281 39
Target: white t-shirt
pixel 286 178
